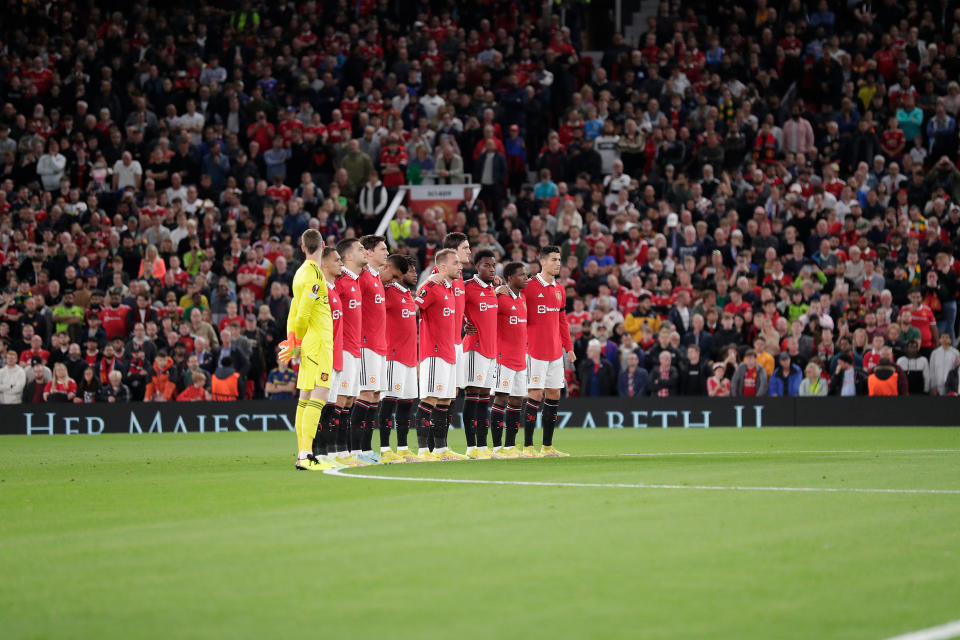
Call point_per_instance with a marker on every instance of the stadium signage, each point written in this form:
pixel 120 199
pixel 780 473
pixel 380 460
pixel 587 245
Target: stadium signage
pixel 591 413
pixel 149 418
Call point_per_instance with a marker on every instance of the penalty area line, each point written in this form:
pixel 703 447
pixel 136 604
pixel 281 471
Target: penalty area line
pixel 639 485
pixel 941 632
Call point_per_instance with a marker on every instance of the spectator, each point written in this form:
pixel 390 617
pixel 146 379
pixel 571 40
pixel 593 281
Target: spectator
pixel 693 372
pixel 596 377
pixel 943 360
pixel 749 380
pixel 88 389
pixel 195 391
pixel 634 380
pixel 847 380
pixel 62 387
pixel 812 384
pixel 281 383
pixel 161 387
pixel 664 378
pixel 115 392
pixel 718 386
pixel 786 377
pixel 13 378
pixel 916 368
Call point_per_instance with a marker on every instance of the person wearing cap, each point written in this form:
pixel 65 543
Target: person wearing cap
pixel 786 377
pixel 847 380
pixel 718 386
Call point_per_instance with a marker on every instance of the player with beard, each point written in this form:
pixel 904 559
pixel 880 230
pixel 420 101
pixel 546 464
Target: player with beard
pixel 438 360
pixel 373 346
pixel 548 337
pixel 480 352
pixel 348 383
pixel 396 405
pixel 510 381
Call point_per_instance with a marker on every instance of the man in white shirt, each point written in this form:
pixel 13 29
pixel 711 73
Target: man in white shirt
pixel 943 360
pixel 127 172
pixel 13 379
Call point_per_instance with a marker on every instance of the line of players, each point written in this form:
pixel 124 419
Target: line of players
pixel 495 338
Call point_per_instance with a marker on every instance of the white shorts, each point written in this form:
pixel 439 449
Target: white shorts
pixel 401 381
pixel 513 383
pixel 438 378
pixel 348 380
pixel 373 371
pixel 334 386
pixel 545 374
pixel 461 372
pixel 478 371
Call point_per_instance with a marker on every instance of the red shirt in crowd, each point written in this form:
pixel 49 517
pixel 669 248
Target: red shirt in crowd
pixel 114 321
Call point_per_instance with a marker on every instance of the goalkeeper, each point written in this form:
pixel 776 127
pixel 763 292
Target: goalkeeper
pixel 310 335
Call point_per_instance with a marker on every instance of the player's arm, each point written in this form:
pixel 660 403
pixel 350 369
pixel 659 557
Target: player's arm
pixel 565 333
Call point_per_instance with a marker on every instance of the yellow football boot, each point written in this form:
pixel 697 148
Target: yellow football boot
pixel 529 452
pixel 508 453
pixel 550 452
pixel 389 457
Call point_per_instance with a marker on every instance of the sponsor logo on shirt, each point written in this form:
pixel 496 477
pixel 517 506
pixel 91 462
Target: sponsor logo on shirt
pixel 378 299
pixel 485 306
pixel 353 304
pixel 407 313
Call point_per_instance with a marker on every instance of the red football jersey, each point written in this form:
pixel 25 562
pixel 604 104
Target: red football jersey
pixel 922 318
pixel 374 334
pixel 114 321
pixel 257 270
pixel 336 312
pixel 512 331
pixel 437 321
pixel 350 300
pixel 401 325
pixel 548 333
pixel 480 307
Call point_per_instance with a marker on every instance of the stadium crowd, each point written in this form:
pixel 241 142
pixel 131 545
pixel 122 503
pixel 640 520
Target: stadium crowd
pixel 757 198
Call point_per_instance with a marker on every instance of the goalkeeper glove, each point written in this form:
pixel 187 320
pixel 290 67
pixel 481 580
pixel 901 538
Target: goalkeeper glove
pixel 289 348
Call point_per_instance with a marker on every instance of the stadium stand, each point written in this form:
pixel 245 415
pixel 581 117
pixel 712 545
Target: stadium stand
pixel 754 198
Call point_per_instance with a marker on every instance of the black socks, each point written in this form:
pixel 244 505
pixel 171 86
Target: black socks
pixel 424 426
pixel 550 408
pixel 530 410
pixel 388 407
pixel 497 418
pixel 483 420
pixel 470 407
pixel 513 415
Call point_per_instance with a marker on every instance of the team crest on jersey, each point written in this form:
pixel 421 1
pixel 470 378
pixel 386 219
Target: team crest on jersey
pixel 505 384
pixel 396 387
pixel 558 295
pixel 536 378
pixel 373 379
pixel 479 377
pixel 439 387
pixel 343 384
pixel 324 377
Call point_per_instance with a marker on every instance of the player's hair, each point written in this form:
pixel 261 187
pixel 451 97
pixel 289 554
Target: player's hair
pixel 511 268
pixel 399 262
pixel 548 249
pixel 442 256
pixel 327 251
pixel 345 245
pixel 413 264
pixel 369 243
pixel 311 240
pixel 453 240
pixel 484 253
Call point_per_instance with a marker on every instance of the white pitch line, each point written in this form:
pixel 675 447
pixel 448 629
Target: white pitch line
pixel 763 453
pixel 640 485
pixel 942 632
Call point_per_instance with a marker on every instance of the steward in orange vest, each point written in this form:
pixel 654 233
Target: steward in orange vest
pixel 226 383
pixel 884 380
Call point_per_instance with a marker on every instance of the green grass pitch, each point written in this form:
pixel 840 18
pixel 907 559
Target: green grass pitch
pixel 216 536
